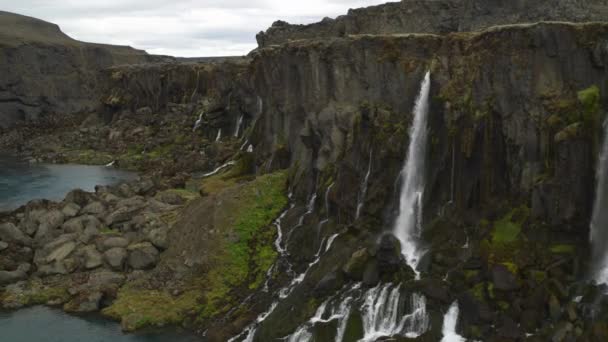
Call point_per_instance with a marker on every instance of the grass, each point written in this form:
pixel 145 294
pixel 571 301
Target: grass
pixel 246 258
pixel 36 294
pixel 139 308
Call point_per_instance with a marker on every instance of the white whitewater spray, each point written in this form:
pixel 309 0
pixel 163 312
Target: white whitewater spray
pixel 599 221
pixel 239 123
pixel 218 169
pixel 219 135
pixel 408 223
pixel 383 314
pixel 363 193
pixel 449 325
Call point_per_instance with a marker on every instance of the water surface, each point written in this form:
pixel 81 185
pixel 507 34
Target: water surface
pixel 51 325
pixel 21 182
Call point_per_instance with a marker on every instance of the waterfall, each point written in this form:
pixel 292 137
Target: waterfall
pixel 382 314
pixel 239 123
pixel 250 149
pixel 407 226
pixel 599 220
pixel 449 325
pixel 219 135
pixel 198 122
pixel 363 193
pixel 218 169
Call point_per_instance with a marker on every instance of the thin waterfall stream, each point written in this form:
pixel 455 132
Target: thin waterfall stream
pixel 599 220
pixel 407 226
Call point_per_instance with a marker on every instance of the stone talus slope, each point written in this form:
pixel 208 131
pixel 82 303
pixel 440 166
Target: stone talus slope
pixel 437 16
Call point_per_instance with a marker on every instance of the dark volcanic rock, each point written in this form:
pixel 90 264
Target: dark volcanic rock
pixel 44 71
pixel 436 16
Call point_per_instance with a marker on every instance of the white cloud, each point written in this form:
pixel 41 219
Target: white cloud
pixel 186 28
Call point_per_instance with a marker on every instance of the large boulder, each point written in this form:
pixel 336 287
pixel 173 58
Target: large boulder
pixel 94 208
pixel 115 257
pixel 53 219
pixel 70 210
pixel 10 233
pixel 9 277
pixel 143 256
pixel 92 257
pixel 114 242
pixel 503 279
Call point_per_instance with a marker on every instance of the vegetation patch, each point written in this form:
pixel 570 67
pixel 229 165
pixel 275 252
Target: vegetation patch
pixel 35 293
pixel 139 308
pixel 562 249
pixel 249 254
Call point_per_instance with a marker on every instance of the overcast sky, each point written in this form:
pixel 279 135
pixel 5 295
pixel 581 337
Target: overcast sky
pixel 186 28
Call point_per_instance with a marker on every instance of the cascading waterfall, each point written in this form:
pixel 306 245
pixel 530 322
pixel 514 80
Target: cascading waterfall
pixel 408 223
pixel 449 325
pixel 219 135
pixel 599 221
pixel 239 123
pixel 382 314
pixel 218 169
pixel 363 193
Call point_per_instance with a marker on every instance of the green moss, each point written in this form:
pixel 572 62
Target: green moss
pixel 478 291
pixel 247 257
pixel 186 194
pixel 511 267
pixel 590 99
pixel 507 229
pixel 562 249
pixel 138 308
pixel 36 293
pixel 538 276
pixel 504 306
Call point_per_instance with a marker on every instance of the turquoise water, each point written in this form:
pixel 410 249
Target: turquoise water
pixel 21 182
pixel 42 324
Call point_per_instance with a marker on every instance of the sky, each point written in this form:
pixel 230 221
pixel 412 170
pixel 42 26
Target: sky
pixel 183 28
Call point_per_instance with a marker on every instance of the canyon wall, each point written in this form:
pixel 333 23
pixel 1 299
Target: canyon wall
pixel 46 72
pixel 437 16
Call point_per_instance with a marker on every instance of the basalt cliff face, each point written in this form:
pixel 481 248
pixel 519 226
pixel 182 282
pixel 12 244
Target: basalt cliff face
pixel 46 72
pixel 288 167
pixel 437 16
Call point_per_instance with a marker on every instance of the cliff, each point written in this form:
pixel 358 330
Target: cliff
pixel 437 16
pixel 44 71
pixel 296 153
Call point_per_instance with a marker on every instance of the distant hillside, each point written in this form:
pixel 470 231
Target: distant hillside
pixel 46 71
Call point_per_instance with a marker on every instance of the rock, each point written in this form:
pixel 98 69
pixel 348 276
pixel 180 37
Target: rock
pixel 509 330
pixel 121 215
pixel 94 208
pixel 555 308
pixel 73 225
pixel 114 242
pixel 61 252
pixel 10 233
pixel 79 197
pixel 158 237
pixel 89 302
pixel 503 279
pixel 56 249
pixel 562 332
pixel 434 288
pixel 92 258
pixel 170 198
pixel 388 254
pixel 355 267
pixel 115 257
pixel 70 210
pixel 142 256
pixel 10 277
pixel 53 219
pixel 3 246
pixel 371 275
pixel 89 234
pixel 330 283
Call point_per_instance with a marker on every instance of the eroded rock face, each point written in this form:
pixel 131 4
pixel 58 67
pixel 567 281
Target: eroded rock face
pixel 439 16
pixel 45 71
